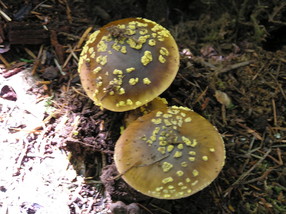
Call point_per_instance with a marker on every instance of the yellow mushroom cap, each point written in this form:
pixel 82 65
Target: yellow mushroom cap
pixel 127 63
pixel 170 154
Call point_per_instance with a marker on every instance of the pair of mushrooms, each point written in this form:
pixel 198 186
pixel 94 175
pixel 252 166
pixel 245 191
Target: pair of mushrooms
pixel 169 152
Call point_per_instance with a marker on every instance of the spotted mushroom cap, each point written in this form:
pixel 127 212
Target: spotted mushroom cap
pixel 127 63
pixel 157 104
pixel 170 154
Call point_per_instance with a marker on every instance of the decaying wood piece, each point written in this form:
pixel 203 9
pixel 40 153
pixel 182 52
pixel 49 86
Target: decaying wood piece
pixel 26 33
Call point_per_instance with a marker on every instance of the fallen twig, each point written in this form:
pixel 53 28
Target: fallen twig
pixel 244 175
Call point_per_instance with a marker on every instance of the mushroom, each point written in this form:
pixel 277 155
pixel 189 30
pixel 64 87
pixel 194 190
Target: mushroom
pixel 127 63
pixel 169 153
pixel 156 104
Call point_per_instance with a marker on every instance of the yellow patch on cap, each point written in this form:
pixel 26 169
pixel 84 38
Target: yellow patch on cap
pixel 146 58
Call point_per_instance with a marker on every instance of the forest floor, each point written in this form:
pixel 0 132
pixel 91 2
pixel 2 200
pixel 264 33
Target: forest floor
pixel 56 146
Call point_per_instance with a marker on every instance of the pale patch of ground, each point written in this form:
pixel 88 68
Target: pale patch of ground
pixel 35 176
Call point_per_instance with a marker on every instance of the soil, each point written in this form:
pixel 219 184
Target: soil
pixel 56 151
